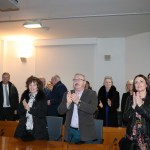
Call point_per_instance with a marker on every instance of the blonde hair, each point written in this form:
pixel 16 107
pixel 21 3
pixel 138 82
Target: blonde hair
pixel 128 82
pixel 108 77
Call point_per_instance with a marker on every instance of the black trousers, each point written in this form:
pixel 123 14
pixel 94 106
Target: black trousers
pixel 7 114
pixel 126 144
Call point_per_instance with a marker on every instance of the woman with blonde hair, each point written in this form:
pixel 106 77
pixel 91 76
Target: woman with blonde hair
pixel 129 91
pixel 108 102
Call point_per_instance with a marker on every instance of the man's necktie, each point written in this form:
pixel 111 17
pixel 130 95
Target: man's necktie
pixel 7 96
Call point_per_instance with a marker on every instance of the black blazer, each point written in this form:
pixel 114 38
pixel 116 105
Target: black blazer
pixel 130 115
pixel 13 97
pixel 123 101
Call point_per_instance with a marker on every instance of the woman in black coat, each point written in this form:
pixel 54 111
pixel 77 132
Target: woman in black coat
pixel 129 89
pixel 32 111
pixel 108 102
pixel 137 114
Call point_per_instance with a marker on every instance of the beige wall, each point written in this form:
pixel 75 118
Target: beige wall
pixel 1 58
pixel 64 60
pixel 18 70
pixel 68 56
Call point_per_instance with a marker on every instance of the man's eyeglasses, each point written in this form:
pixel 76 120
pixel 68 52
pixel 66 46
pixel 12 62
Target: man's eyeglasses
pixel 77 80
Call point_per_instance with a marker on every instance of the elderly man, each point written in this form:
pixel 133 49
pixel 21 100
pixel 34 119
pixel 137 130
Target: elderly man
pixel 9 99
pixel 79 106
pixel 57 92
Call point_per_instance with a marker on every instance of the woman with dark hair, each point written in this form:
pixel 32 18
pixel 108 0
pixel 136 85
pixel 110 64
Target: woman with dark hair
pixel 137 114
pixel 87 85
pixel 32 111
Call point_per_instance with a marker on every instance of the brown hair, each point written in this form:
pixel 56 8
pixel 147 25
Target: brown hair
pixel 35 80
pixel 146 80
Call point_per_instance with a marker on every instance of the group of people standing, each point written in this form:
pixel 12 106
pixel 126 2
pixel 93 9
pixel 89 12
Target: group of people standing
pixel 36 102
pixel 135 106
pixel 54 92
pixel 137 115
pixel 78 107
pixel 108 102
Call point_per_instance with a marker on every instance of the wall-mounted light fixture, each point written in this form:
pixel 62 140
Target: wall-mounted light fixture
pixel 32 24
pixel 24 48
pixel 23 59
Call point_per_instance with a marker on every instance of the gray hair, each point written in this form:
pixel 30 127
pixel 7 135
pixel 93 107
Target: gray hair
pixel 56 77
pixel 80 74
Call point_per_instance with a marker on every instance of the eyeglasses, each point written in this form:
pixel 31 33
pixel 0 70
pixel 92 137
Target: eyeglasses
pixel 77 80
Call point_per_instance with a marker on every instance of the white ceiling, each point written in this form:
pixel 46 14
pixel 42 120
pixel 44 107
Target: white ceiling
pixel 78 18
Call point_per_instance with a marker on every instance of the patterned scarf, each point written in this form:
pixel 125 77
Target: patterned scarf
pixel 29 123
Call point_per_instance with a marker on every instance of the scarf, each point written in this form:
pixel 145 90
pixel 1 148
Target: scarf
pixel 29 122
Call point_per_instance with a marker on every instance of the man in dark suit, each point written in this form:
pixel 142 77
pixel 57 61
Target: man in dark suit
pixel 79 106
pixel 9 98
pixel 57 94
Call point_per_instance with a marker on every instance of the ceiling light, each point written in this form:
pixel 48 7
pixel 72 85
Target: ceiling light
pixel 32 24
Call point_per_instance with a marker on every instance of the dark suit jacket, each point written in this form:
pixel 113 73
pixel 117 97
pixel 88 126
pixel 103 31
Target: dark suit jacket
pixel 123 104
pixel 86 109
pixel 13 97
pixel 57 94
pixel 123 101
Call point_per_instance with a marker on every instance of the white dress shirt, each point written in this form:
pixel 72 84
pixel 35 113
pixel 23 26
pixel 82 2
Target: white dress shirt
pixel 4 95
pixel 75 117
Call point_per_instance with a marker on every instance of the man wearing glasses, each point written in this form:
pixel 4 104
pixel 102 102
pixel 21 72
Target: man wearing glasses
pixel 79 105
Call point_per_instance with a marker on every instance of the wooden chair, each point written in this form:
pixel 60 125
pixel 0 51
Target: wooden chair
pixel 112 135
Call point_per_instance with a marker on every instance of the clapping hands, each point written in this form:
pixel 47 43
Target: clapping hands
pixel 137 100
pixel 72 97
pixel 25 104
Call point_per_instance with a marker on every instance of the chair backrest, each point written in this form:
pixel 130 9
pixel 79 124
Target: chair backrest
pixel 99 130
pixel 54 127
